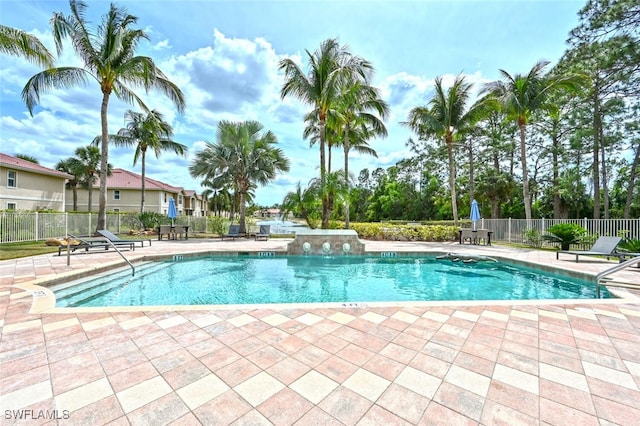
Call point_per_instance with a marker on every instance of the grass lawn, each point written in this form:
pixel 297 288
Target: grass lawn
pixel 29 248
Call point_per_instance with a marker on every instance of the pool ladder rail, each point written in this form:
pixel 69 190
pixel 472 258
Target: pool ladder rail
pixel 603 278
pixel 110 243
pixel 133 268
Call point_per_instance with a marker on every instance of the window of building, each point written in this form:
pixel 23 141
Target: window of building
pixel 116 194
pixel 179 199
pixel 12 177
pixel 116 210
pixel 165 197
pixel 11 206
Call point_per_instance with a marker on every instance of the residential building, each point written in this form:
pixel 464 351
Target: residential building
pixel 195 204
pixel 29 186
pixel 124 191
pixel 268 213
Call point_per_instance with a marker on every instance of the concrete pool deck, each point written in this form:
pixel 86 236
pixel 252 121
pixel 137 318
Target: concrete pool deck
pixel 444 363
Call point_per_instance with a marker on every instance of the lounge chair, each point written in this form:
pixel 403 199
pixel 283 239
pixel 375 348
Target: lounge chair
pixel 263 233
pixel 119 241
pixel 604 246
pixel 88 243
pixel 234 232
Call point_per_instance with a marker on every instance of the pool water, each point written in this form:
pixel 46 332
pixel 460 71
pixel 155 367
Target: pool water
pixel 309 279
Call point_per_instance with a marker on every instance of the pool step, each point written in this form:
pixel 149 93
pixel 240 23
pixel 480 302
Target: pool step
pixel 81 292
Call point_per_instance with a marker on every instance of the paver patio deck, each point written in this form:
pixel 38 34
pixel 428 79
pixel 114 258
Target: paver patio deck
pixel 559 363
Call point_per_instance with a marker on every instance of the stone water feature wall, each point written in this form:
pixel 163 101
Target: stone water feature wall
pixel 330 242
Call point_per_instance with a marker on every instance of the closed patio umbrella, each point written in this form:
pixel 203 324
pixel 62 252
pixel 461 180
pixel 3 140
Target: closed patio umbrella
pixel 173 212
pixel 475 213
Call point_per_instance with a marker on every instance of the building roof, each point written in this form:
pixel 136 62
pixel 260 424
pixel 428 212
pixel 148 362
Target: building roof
pixel 20 164
pixel 124 179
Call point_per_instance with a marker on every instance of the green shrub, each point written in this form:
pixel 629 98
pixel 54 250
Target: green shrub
pixel 215 224
pixel 397 232
pixel 151 220
pixel 630 245
pixel 565 234
pixel 532 237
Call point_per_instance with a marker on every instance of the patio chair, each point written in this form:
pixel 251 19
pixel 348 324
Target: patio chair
pixel 604 246
pixel 234 232
pixel 263 233
pixel 119 241
pixel 483 235
pixel 467 234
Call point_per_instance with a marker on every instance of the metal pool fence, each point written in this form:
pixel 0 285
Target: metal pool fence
pixel 34 226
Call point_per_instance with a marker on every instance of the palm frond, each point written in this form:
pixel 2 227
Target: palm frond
pixel 54 78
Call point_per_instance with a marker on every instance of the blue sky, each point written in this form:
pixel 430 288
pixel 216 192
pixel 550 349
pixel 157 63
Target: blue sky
pixel 224 55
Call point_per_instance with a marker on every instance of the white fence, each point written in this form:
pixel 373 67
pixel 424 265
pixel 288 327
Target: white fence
pixel 514 230
pixel 35 226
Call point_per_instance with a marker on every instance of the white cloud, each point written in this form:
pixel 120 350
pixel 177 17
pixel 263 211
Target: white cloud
pixel 163 45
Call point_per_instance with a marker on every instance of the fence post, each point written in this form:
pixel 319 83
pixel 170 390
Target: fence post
pixel 66 224
pixel 37 233
pixel 509 229
pixel 89 233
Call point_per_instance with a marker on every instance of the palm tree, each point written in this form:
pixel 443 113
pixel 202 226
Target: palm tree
pixel 108 54
pixel 242 154
pixel 89 159
pixel 27 157
pixel 146 131
pixel 357 122
pixel 217 194
pixel 521 95
pixel 331 68
pixel 334 187
pixel 446 117
pixel 72 166
pixel 302 204
pixel 16 42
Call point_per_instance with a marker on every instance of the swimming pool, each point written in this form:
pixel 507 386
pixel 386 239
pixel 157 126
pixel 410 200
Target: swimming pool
pixel 215 280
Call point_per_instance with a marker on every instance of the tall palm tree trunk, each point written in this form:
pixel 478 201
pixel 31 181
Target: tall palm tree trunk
pixel 104 163
pixel 452 180
pixel 242 219
pixel 525 174
pixel 323 174
pixel 346 179
pixel 144 168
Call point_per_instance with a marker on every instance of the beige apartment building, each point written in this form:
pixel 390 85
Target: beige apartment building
pixel 124 191
pixel 29 186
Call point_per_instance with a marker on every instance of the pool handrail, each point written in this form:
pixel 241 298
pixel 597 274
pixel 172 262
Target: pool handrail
pixel 602 276
pixel 133 268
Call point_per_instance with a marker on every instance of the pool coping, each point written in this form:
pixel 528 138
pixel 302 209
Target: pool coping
pixel 43 298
